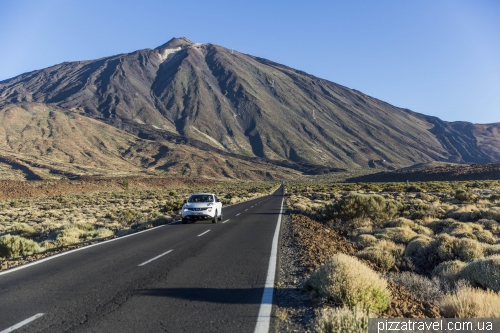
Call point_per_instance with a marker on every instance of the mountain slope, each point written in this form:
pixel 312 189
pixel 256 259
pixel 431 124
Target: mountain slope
pixel 40 142
pixel 248 106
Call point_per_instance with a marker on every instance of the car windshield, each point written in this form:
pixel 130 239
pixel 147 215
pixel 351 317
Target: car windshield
pixel 201 198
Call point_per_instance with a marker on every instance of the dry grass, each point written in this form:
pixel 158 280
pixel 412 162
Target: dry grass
pixel 469 302
pixel 342 320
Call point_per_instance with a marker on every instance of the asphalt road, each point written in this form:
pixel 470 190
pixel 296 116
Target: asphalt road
pixel 205 278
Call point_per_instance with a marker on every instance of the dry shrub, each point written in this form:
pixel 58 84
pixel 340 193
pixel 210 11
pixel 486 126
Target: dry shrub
pixel 382 258
pixel 419 285
pixel 440 225
pixel 427 254
pixel 387 245
pixel 451 248
pixel 398 234
pixel 492 249
pixel 491 225
pixel 416 245
pixel 457 228
pixel 342 320
pixel 345 279
pixel 400 222
pixel 365 240
pixel 485 236
pixel 468 302
pixel 422 230
pixel 12 246
pixel 448 270
pixel 483 272
pixel 22 229
pixel 76 233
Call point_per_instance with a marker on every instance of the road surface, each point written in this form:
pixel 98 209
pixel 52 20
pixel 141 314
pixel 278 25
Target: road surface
pixel 199 277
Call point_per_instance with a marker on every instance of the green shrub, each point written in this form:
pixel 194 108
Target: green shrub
pixel 464 196
pixel 398 234
pixel 382 258
pixel 345 279
pixel 416 246
pixel 342 320
pixel 484 273
pixel 12 246
pixel 451 248
pixel 354 205
pixel 426 255
pixel 449 270
pixel 172 206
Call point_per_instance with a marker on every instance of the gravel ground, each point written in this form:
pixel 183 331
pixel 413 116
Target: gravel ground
pixel 294 312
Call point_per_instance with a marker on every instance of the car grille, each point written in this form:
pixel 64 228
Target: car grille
pixel 196 209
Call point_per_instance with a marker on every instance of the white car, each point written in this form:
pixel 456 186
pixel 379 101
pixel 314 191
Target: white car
pixel 202 206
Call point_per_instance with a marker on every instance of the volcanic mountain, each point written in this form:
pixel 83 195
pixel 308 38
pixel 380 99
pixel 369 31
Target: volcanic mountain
pixel 238 106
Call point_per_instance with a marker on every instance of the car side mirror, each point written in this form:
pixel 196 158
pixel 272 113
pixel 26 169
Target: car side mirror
pixel 218 200
pixel 185 201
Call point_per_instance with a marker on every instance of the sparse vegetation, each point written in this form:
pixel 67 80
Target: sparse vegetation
pixel 31 225
pixel 469 302
pixel 342 320
pixel 346 280
pixel 438 240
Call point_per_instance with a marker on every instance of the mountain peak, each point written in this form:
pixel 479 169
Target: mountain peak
pixel 175 43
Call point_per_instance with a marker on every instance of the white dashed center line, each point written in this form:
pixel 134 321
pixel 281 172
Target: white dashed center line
pixel 147 262
pixel 246 210
pixel 238 214
pixel 22 323
pixel 203 233
pixel 226 221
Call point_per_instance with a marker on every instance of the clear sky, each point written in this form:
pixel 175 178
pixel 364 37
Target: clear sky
pixel 439 58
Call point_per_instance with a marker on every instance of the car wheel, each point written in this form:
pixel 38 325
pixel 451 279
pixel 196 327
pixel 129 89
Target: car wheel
pixel 184 221
pixel 220 217
pixel 215 218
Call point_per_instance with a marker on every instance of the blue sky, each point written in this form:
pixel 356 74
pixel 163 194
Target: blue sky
pixel 440 58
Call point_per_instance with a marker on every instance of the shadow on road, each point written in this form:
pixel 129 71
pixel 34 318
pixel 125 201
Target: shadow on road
pixel 211 295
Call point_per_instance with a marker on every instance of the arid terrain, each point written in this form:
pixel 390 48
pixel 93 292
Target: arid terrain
pixel 40 218
pixel 434 172
pixel 185 108
pixel 430 251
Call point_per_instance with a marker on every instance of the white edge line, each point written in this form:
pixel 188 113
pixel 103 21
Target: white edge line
pixel 226 221
pixel 147 262
pixel 203 233
pixel 72 251
pixel 266 305
pixel 22 323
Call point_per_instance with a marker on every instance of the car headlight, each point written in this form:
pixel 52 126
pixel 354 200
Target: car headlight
pixel 185 209
pixel 209 210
